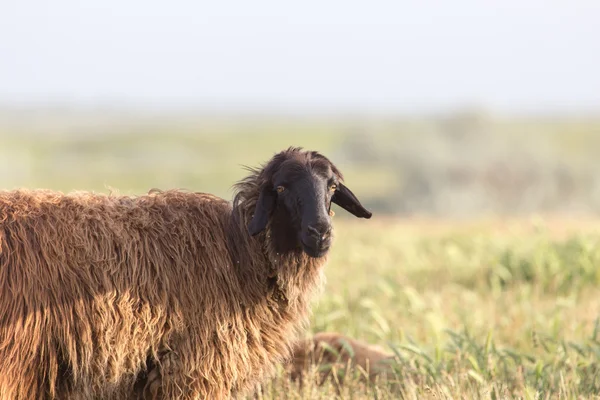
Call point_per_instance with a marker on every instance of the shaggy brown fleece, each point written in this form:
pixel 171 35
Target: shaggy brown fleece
pixel 330 352
pixel 158 296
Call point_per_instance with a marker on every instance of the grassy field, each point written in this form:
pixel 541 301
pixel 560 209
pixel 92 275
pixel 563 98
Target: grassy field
pixel 489 309
pixel 456 165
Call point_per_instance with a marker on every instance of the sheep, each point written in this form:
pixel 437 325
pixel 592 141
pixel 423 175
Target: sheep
pixel 332 352
pixel 170 295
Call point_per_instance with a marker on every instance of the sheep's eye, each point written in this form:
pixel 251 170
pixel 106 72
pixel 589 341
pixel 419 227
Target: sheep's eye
pixel 333 187
pixel 280 189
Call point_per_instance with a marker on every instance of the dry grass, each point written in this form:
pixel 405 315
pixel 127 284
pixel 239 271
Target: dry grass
pixel 472 309
pixel 492 308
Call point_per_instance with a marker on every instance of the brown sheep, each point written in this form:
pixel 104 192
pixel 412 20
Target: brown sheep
pixel 170 295
pixel 332 352
pixel 167 295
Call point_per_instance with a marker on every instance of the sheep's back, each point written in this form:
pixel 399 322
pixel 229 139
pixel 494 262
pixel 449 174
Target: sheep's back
pixel 94 285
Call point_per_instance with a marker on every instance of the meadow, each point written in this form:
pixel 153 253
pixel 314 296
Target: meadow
pixel 449 165
pixel 473 306
pixel 488 309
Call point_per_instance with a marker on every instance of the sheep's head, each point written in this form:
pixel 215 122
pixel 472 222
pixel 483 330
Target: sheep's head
pixel 296 191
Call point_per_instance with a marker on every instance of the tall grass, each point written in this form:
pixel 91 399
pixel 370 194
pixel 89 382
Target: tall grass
pixel 493 311
pixel 468 315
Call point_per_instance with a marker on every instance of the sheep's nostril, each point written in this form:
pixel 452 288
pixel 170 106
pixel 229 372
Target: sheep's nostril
pixel 313 231
pixel 320 233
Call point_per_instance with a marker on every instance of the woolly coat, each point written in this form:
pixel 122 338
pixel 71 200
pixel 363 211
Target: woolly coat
pixel 158 296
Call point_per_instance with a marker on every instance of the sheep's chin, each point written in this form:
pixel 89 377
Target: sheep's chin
pixel 315 252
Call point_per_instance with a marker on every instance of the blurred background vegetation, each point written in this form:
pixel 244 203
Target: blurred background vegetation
pixel 466 163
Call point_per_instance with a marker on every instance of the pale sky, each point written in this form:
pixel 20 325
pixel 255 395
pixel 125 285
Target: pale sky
pixel 405 56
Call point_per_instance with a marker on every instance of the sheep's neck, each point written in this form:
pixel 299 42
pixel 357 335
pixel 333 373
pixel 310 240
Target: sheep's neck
pixel 273 260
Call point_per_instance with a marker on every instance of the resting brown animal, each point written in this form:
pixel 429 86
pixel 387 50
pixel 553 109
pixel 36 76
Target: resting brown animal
pixel 168 295
pixel 331 352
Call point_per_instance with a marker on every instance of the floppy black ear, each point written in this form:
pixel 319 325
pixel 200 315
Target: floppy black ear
pixel 264 206
pixel 344 198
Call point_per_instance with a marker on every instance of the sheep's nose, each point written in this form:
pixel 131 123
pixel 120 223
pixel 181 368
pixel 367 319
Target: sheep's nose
pixel 319 231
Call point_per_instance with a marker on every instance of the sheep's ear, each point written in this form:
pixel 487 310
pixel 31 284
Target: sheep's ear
pixel 344 198
pixel 264 207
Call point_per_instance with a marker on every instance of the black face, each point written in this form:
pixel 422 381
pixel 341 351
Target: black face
pixel 305 195
pixel 297 198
